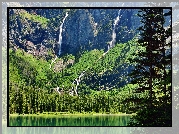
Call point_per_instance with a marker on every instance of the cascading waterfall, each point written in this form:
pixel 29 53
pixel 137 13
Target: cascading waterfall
pixel 53 61
pixel 116 21
pixel 60 34
pixel 60 39
pixel 111 44
pixel 78 80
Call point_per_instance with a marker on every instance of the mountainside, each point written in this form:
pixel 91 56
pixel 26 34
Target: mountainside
pixel 53 47
pixel 37 85
pixel 77 55
pixel 101 72
pixel 92 61
pixel 37 30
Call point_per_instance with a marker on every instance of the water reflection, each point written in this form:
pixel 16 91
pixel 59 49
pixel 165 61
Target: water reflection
pixel 69 121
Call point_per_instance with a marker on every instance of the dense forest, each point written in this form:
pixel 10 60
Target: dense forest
pixel 36 93
pixel 129 74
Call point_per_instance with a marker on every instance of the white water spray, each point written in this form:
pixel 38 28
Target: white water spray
pixel 53 61
pixel 116 21
pixel 111 44
pixel 60 40
pixel 78 80
pixel 60 34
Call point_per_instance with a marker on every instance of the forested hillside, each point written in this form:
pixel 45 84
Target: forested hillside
pixel 91 60
pixel 34 76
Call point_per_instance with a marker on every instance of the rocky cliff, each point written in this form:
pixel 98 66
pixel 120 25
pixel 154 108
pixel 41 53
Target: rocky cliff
pixel 37 30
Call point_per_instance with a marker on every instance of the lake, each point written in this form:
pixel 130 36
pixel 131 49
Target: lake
pixel 70 120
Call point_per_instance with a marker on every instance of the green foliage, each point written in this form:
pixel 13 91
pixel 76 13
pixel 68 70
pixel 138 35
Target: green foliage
pixel 35 18
pixel 68 57
pixel 149 117
pixel 24 68
pixel 151 71
pixel 31 80
pixel 28 100
pixel 114 62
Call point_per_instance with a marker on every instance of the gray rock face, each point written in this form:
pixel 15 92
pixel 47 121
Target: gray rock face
pixel 78 32
pixel 83 29
pixel 89 29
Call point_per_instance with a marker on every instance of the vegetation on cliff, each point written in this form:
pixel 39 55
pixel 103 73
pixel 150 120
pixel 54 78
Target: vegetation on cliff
pixel 131 77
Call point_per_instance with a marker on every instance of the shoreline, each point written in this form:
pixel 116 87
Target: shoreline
pixel 72 114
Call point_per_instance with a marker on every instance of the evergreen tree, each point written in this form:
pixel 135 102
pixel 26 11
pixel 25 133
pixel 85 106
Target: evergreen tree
pixel 153 69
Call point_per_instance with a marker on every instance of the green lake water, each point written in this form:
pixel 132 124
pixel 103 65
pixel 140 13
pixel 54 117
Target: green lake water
pixel 105 120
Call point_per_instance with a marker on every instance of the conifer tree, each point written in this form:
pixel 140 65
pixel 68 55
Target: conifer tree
pixel 153 67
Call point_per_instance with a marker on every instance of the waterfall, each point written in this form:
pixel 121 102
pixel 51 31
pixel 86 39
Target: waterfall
pixel 111 44
pixel 116 21
pixel 60 34
pixel 60 40
pixel 78 80
pixel 53 61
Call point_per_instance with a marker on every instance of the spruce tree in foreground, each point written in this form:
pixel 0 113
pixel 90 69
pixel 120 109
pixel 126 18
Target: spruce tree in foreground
pixel 153 69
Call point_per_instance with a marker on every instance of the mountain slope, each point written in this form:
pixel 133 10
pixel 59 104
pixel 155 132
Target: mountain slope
pixel 100 71
pixel 37 30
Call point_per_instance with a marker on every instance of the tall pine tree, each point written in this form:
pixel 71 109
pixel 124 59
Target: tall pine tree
pixel 153 69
